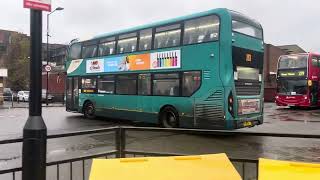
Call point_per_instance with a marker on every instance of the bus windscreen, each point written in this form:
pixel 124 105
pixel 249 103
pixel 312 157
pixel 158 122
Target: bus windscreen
pixel 293 61
pixel 292 87
pixel 247 73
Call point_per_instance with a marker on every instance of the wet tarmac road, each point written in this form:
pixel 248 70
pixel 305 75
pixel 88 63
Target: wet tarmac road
pixel 277 120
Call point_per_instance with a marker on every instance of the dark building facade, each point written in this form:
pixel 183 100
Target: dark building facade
pixel 5 44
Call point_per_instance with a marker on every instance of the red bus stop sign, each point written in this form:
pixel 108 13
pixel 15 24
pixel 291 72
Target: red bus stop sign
pixel 43 5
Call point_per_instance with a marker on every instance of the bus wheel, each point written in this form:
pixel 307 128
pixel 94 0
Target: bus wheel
pixel 169 118
pixel 89 111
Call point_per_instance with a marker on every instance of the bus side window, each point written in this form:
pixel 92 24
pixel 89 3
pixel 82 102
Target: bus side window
pixel 89 84
pixel 75 51
pixel 314 61
pixel 166 84
pixel 89 49
pixel 191 82
pixel 145 40
pixel 127 43
pixel 168 36
pixel 200 30
pixel 126 84
pixel 106 84
pixel 144 84
pixel 107 46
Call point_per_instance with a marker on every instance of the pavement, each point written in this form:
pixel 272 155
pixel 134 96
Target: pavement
pixel 277 120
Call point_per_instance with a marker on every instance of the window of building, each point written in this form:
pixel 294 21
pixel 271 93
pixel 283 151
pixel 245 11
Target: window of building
pixel 89 49
pixel 144 84
pixel 126 84
pixel 191 82
pixel 107 46
pixel 145 40
pixel 106 84
pixel 127 43
pixel 200 30
pixel 168 36
pixel 166 84
pixel 75 51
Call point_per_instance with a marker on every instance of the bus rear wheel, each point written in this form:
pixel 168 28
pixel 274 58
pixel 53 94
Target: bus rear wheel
pixel 169 118
pixel 89 110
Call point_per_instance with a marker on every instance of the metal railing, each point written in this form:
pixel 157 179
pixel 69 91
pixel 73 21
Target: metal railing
pixel 121 151
pixel 55 99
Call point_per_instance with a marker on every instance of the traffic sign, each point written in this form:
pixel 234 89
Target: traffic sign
pixel 43 5
pixel 47 68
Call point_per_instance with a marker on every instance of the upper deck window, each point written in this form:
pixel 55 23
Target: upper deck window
pixel 293 61
pixel 168 36
pixel 315 61
pixel 107 46
pixel 89 49
pixel 244 25
pixel 75 51
pixel 246 29
pixel 200 30
pixel 145 40
pixel 127 43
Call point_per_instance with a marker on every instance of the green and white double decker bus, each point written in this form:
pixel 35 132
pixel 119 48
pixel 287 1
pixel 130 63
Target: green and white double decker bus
pixel 198 71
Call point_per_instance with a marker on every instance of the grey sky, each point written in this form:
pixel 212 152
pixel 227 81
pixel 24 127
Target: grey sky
pixel 284 21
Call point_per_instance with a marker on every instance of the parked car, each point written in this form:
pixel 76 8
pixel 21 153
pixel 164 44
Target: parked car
pixel 43 96
pixel 7 94
pixel 23 96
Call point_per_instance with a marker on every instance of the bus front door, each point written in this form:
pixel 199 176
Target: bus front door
pixel 75 93
pixel 72 94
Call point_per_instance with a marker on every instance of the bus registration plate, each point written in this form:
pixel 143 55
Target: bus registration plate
pixel 247 124
pixel 248 106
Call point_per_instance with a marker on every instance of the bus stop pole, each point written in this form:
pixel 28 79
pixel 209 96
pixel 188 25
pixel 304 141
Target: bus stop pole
pixel 35 131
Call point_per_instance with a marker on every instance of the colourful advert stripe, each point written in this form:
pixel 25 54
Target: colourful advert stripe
pixel 158 60
pixel 166 60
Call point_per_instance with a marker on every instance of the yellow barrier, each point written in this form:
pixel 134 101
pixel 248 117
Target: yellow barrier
pixel 286 170
pixel 204 167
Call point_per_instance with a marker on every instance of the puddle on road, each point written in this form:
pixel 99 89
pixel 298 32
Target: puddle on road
pixel 56 152
pixel 299 120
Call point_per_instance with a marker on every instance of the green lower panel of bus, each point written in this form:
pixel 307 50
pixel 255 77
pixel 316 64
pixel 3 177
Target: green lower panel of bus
pixel 184 120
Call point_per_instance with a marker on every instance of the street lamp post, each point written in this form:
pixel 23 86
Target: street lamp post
pixel 48 52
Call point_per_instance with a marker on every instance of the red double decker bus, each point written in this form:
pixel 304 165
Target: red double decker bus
pixel 298 80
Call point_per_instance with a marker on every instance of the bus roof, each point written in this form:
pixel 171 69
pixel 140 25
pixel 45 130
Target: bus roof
pixel 306 53
pixel 218 11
